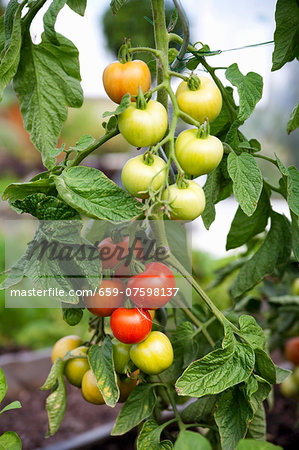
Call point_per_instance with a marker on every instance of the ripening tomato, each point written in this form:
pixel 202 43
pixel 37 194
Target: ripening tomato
pixel 75 368
pixel 130 325
pixel 187 203
pixel 64 345
pixel 126 386
pixel 152 288
pixel 110 296
pixel 198 155
pixel 120 78
pixel 121 355
pixel 143 127
pixel 137 175
pixel 202 103
pixel 292 350
pixel 112 253
pixel 90 390
pixel 289 387
pixel 154 354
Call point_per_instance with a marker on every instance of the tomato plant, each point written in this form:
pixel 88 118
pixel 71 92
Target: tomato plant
pixel 152 288
pixel 217 358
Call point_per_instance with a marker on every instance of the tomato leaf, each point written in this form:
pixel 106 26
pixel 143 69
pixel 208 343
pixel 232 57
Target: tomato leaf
pixel 18 191
pixel 124 104
pixel 222 123
pixel 252 331
pixel 115 5
pixel 138 407
pixel 243 228
pixel 45 207
pixel 293 122
pixel 274 250
pixel 265 366
pixel 2 36
pixel 189 440
pixel 47 81
pixel 78 6
pixel 83 143
pixel 3 385
pixel 295 235
pixel 211 189
pixel 251 444
pixel 12 405
pixel 10 441
pixel 247 180
pixel 101 363
pixel 72 316
pixel 293 189
pixel 281 374
pixel 233 415
pixel 91 193
pixel 286 34
pixel 200 411
pixel 257 427
pixel 56 369
pixel 149 437
pixel 56 402
pixel 50 19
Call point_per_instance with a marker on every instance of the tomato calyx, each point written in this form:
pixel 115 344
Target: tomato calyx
pixel 204 130
pixel 193 83
pixel 141 102
pixel 124 54
pixel 148 159
pixel 181 182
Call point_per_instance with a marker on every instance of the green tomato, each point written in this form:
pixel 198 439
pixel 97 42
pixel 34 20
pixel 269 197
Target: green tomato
pixel 154 354
pixel 198 156
pixel 143 127
pixel 186 203
pixel 295 287
pixel 201 104
pixel 296 375
pixel 137 175
pixel 75 368
pixel 121 355
pixel 289 387
pixel 64 345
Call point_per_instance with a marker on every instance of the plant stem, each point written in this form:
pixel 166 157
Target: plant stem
pixel 266 158
pixel 175 410
pixel 32 13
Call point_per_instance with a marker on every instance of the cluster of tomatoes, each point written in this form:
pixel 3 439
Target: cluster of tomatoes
pixel 144 124
pixel 290 386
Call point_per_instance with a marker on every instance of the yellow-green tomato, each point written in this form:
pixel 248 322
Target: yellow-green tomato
pixel 295 287
pixel 296 375
pixel 154 354
pixel 75 368
pixel 198 156
pixel 186 203
pixel 289 387
pixel 121 355
pixel 90 390
pixel 201 104
pixel 143 127
pixel 64 345
pixel 137 176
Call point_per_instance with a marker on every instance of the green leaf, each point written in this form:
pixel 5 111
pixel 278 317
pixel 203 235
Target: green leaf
pixel 18 191
pixel 218 370
pixel 222 123
pixel 56 402
pixel 211 189
pixel 10 441
pixel 252 331
pixel 293 122
pixel 281 374
pixel 124 104
pixel 295 235
pixel 3 385
pixel 115 5
pixel 17 271
pixel 83 143
pixel 2 36
pixel 265 366
pixel 182 340
pixel 149 437
pixel 286 33
pixel 293 189
pixel 233 415
pixel 247 180
pixel 257 427
pixel 250 88
pixel 243 228
pixel 72 316
pixel 78 6
pixel 47 82
pixel 101 363
pixel 189 440
pixel 56 369
pixel 138 407
pixel 45 208
pixel 200 411
pixel 13 405
pixel 91 193
pixel 250 444
pixel 8 17
pixel 11 57
pixel 274 251
pixel 50 19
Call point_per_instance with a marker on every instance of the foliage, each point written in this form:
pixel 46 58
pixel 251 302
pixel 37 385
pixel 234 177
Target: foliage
pixel 9 439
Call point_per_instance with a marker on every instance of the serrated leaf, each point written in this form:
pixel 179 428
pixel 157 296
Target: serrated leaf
pixel 50 19
pixel 252 331
pixel 10 441
pixel 265 366
pixel 12 405
pixel 138 407
pixel 56 403
pixel 3 385
pixel 251 444
pixel 45 207
pixel 233 415
pixel 18 191
pixel 275 250
pixel 200 411
pixel 250 88
pixel 78 6
pixel 47 82
pixel 115 5
pixel 218 370
pixel 189 440
pixel 91 193
pixel 101 363
pixel 244 227
pixel 247 180
pixel 149 437
pixel 124 104
pixel 211 189
pixel 293 122
pixel 286 33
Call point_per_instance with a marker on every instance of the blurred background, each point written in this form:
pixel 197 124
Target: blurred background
pixel 225 26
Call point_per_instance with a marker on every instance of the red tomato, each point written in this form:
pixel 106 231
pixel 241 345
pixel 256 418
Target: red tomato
pixel 112 254
pixel 110 296
pixel 120 78
pixel 130 325
pixel 292 350
pixel 152 288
